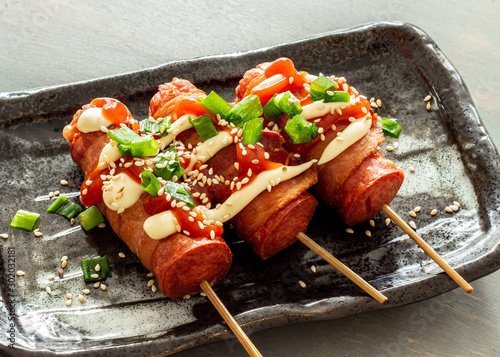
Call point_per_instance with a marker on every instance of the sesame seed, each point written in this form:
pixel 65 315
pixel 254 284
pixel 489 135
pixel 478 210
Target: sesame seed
pixel 101 225
pixel 389 148
pixel 413 225
pixel 349 230
pixel 97 267
pixel 302 284
pixel 448 209
pixel 103 287
pixel 20 273
pixel 364 110
pixel 86 291
pixel 51 194
pixel 313 268
pixel 60 273
pixel 456 203
pixel 72 221
pixel 121 255
pixel 68 302
pixel 428 106
pixel 186 297
pixel 434 212
pixel 96 285
pixel 454 208
pixel 186 232
pixel 48 290
pixel 64 264
pixel 411 168
pixel 387 221
pixel 413 214
pixel 94 276
pixel 51 277
pixel 81 298
pixel 64 182
pixel 334 127
pixel 237 165
pixel 379 102
pixel 38 234
pixel 238 186
pixel 226 217
pixel 372 222
pixel 290 80
pixel 426 99
pixel 417 209
pixel 396 145
pixel 374 105
pixel 368 233
pixel 4 235
pixel 153 288
pixel 150 283
pixel 69 295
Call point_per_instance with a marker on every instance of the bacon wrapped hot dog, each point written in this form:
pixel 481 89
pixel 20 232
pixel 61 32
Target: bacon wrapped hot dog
pixel 267 214
pixel 353 176
pixel 186 256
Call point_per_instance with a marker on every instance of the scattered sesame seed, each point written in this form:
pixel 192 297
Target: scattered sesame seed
pixel 349 230
pixel 426 99
pixel 86 291
pixel 374 105
pixel 411 168
pixel 20 273
pixel 64 264
pixel 38 234
pixel 51 277
pixel 428 106
pixel 94 276
pixel 68 302
pixel 60 273
pixel 64 182
pixel 101 225
pixel 379 102
pixel 96 285
pixel 368 233
pixel 150 283
pixel 413 214
pixel 81 298
pixel 448 209
pixel 389 148
pixel 434 212
pixel 51 194
pixel 153 288
pixel 456 203
pixel 4 235
pixel 72 221
pixel 186 297
pixel 454 208
pixel 313 268
pixel 396 145
pixel 48 290
pixel 413 225
pixel 364 110
pixel 387 221
pixel 69 295
pixel 302 284
pixel 255 161
pixel 57 193
pixel 372 222
pixel 103 287
pixel 97 267
pixel 64 258
pixel 150 275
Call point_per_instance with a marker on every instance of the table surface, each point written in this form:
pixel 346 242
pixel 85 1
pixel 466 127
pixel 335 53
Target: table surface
pixel 46 43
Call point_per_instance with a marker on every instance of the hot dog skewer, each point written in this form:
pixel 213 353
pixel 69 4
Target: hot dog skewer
pixel 353 176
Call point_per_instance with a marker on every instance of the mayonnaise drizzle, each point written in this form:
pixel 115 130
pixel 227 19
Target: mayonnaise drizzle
pixel 178 126
pixel 109 154
pixel 121 192
pixel 354 131
pixel 318 109
pixel 92 119
pixel 163 224
pixel 207 149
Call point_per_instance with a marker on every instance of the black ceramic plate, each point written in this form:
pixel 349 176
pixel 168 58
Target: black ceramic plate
pixel 454 160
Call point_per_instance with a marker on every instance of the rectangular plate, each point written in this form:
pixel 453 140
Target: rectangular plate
pixel 395 62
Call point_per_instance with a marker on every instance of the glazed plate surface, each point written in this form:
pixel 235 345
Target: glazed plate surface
pixel 399 64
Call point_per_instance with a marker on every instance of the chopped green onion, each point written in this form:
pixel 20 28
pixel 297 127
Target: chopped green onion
pixel 249 108
pixel 252 131
pixel 25 220
pixel 90 218
pixel 63 207
pixel 91 274
pixel 129 143
pixel 167 164
pixel 155 127
pixel 271 110
pixel 204 127
pixel 300 130
pixel 150 183
pixel 390 127
pixel 180 193
pixel 338 96
pixel 215 104
pixel 319 86
pixel 288 103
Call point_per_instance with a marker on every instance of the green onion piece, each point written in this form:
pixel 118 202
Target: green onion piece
pixel 150 183
pixel 63 207
pixel 25 220
pixel 319 86
pixel 249 108
pixel 204 127
pixel 155 127
pixel 215 104
pixel 288 103
pixel 167 164
pixel 180 193
pixel 338 96
pixel 129 143
pixel 390 127
pixel 252 131
pixel 90 274
pixel 90 218
pixel 300 130
pixel 271 109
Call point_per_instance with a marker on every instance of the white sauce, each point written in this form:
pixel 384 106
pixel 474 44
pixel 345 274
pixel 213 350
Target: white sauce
pixel 109 154
pixel 178 126
pixel 121 193
pixel 91 120
pixel 318 109
pixel 163 224
pixel 207 149
pixel 354 131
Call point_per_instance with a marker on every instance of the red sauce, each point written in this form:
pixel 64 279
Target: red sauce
pixel 112 109
pixel 189 106
pixel 193 227
pixel 245 161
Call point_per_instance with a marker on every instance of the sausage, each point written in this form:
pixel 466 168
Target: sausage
pixel 270 222
pixel 179 262
pixel 359 180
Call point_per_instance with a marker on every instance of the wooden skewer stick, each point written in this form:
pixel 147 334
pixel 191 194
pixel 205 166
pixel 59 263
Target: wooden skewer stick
pixel 342 268
pixel 427 249
pixel 226 315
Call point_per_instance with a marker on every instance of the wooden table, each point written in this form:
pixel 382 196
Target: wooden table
pixel 55 42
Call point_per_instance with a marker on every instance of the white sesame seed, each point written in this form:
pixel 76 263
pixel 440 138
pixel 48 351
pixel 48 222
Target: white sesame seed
pixel 20 273
pixel 302 284
pixel 426 99
pixel 448 209
pixel 387 221
pixel 64 182
pixel 434 212
pixel 379 102
pixel 96 285
pixel 103 287
pixel 396 145
pixel 212 234
pixel 121 255
pixel 349 230
pixel 72 221
pixel 51 277
pixel 372 222
pixel 68 302
pixel 64 258
pixel 368 233
pixel 97 267
pixel 454 208
pixel 69 295
pixel 51 194
pixel 48 290
pixel 153 288
pixel 4 235
pixel 364 110
pixel 94 276
pixel 413 214
pixel 38 234
pixel 81 298
pixel 413 225
pixel 411 168
pixel 456 203
pixel 150 283
pixel 389 148
pixel 313 268
pixel 101 225
pixel 64 264
pixel 374 105
pixel 428 106
pixel 86 291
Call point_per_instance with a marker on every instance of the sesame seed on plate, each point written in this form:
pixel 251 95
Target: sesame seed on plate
pixel 389 148
pixel 313 268
pixel 4 235
pixel 38 234
pixel 429 97
pixel 434 212
pixel 48 290
pixel 413 214
pixel 69 295
pixel 379 102
pixel 97 267
pixel 454 208
pixel 64 182
pixel 51 277
pixel 103 287
pixel 396 145
pixel 86 291
pixel 372 222
pixel 68 302
pixel 413 225
pixel 456 203
pixel 417 209
pixel 302 284
pixel 368 233
pixel 387 221
pixel 20 273
pixel 121 255
pixel 150 283
pixel 448 209
pixel 96 285
pixel 411 168
pixel 428 106
pixel 349 230
pixel 153 288
pixel 81 298
pixel 64 264
pixel 186 297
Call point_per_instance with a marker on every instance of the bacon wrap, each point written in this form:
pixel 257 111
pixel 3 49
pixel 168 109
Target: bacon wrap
pixel 179 262
pixel 359 180
pixel 270 222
